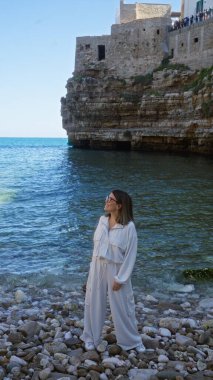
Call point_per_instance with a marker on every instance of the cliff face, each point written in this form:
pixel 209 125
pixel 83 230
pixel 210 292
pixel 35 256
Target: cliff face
pixel 169 110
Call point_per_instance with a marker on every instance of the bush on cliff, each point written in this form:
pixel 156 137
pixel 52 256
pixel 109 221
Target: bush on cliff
pixel 145 80
pixel 207 108
pixel 165 64
pixel 204 77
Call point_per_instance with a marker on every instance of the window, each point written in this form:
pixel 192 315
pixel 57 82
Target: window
pixel 199 6
pixel 182 44
pixel 87 46
pixel 195 40
pixel 101 52
pixel 158 31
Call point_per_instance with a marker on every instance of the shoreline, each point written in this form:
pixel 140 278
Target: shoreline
pixel 40 337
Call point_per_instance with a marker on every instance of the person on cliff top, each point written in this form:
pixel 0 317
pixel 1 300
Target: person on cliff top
pixel 113 259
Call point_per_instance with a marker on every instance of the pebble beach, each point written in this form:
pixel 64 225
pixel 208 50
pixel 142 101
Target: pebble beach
pixel 40 331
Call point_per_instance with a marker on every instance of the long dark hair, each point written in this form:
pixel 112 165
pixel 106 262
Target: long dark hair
pixel 125 213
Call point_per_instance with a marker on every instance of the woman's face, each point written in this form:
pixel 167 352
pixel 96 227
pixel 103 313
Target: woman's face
pixel 111 204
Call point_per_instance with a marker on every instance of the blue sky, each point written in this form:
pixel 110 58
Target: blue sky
pixel 37 49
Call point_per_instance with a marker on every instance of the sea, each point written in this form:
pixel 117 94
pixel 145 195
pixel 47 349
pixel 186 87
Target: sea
pixel 52 195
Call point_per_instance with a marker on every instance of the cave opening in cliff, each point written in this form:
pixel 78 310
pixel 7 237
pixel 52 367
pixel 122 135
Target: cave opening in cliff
pixel 101 52
pixel 123 145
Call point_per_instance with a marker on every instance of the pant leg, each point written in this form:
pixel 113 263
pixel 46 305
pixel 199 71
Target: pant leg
pixel 122 306
pixel 95 302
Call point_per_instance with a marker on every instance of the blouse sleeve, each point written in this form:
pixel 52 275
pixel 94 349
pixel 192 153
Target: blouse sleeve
pixel 127 266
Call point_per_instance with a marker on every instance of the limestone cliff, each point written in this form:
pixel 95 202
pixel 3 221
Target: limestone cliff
pixel 168 110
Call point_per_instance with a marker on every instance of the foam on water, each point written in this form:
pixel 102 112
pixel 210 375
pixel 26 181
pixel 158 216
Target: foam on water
pixel 6 196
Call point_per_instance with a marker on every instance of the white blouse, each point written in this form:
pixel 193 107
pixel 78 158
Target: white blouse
pixel 118 245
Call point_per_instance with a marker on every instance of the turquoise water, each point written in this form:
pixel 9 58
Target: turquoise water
pixel 51 197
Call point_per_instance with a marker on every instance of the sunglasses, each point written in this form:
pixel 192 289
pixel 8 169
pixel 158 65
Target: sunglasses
pixel 110 199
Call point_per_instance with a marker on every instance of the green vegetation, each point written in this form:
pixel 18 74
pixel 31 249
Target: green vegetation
pixel 165 64
pixel 78 78
pixel 122 80
pixel 131 97
pixel 74 307
pixel 208 324
pixel 154 93
pixel 198 274
pixel 207 108
pixel 145 80
pixel 203 77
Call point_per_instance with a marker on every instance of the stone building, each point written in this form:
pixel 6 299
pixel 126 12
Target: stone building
pixel 111 104
pixel 193 45
pixel 141 39
pixel 136 45
pixel 192 7
pixel 141 11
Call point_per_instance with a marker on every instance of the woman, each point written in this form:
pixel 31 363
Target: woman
pixel 114 254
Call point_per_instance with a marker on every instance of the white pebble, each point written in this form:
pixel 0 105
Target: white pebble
pixel 149 329
pixel 89 363
pixel 185 305
pixel 163 359
pixel 165 332
pixel 115 361
pixel 151 298
pixel 103 376
pixel 20 296
pixel 67 335
pixel 147 310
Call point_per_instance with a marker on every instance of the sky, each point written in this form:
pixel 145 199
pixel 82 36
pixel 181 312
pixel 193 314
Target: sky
pixel 37 55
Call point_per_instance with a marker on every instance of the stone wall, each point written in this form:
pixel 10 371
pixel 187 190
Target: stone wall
pixel 86 53
pixel 127 12
pixel 144 11
pixel 193 45
pixel 133 48
pixel 131 12
pixel 139 43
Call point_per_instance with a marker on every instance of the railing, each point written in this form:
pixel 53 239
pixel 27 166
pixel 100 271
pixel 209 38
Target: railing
pixel 187 21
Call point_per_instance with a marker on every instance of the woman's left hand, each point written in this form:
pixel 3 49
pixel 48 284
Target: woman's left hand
pixel 116 286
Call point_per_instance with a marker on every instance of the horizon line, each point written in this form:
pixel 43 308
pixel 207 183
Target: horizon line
pixel 32 137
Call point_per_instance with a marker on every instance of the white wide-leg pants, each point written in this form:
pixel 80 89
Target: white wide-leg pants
pixel 122 305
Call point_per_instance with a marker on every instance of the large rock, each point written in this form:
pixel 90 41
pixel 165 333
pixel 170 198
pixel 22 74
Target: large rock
pixel 150 342
pixel 56 347
pixel 29 329
pixel 183 340
pixel 206 303
pixel 105 112
pixel 173 324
